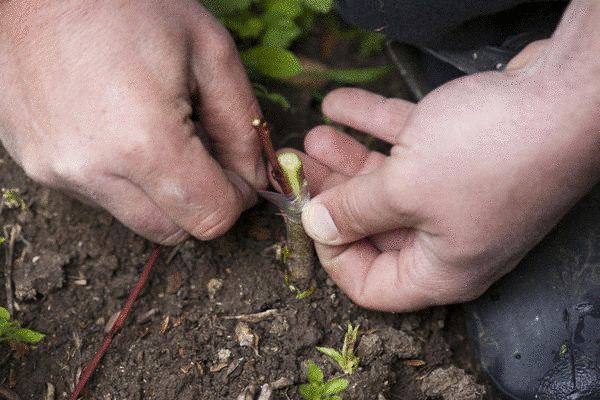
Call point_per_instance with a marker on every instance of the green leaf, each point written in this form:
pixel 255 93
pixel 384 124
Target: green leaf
pixel 219 8
pixel 311 391
pixel 27 335
pixel 353 75
pixel 336 355
pixel 281 34
pixel 4 314
pixel 321 6
pixel 335 386
pixel 336 398
pixel 288 9
pixel 277 98
pixel 244 24
pixel 272 61
pixel 371 43
pixel 2 239
pixel 314 373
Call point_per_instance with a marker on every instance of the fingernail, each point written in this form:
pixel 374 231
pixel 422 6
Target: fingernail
pixel 248 193
pixel 319 224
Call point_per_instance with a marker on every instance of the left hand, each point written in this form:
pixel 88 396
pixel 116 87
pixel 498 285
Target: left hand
pixel 480 170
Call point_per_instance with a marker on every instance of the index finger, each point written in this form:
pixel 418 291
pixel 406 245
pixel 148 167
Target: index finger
pixel 226 103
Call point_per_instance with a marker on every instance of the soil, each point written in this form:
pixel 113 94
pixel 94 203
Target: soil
pixel 74 267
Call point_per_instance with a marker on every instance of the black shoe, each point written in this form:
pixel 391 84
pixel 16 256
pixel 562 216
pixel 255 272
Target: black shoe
pixel 537 331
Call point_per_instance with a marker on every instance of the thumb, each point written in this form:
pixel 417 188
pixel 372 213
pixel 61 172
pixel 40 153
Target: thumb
pixel 359 207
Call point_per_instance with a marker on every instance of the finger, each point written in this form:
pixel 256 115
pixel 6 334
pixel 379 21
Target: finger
pixel 362 206
pixel 225 103
pixel 527 55
pixel 368 112
pixel 168 161
pixel 376 280
pixel 341 152
pixel 134 209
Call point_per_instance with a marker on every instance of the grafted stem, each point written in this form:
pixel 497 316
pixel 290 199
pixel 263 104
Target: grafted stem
pixel 289 174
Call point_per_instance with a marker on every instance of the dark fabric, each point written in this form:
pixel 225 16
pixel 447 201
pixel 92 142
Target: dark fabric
pixel 453 24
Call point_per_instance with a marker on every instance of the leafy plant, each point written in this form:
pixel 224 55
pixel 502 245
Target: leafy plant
pixel 270 26
pixel 316 389
pixel 267 28
pixel 347 360
pixel 9 330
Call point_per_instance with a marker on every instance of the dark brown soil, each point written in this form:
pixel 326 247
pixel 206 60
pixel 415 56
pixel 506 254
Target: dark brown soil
pixel 74 267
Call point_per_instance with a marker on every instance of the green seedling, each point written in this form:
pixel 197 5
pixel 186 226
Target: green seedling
pixel 10 199
pixel 288 173
pixel 300 294
pixel 316 389
pixel 2 239
pixel 10 331
pixel 347 360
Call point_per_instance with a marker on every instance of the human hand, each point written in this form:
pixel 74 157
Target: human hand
pixel 142 108
pixel 480 170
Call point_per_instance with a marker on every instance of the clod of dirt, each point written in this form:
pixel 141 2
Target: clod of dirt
pixel 369 347
pixel 213 287
pixel 39 275
pixel 400 343
pixel 452 384
pixel 280 327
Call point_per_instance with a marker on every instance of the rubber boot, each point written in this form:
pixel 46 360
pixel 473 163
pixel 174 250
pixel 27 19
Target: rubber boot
pixel 537 330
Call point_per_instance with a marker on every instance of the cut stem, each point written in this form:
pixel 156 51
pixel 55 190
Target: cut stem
pixel 263 129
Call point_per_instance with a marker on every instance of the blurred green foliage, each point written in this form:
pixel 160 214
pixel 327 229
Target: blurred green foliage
pixel 267 28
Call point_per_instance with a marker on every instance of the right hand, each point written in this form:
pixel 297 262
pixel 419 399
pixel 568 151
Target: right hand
pixel 109 101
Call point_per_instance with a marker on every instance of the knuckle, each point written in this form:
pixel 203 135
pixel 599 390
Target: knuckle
pixel 223 49
pixel 215 224
pixel 137 147
pixel 171 237
pixel 352 221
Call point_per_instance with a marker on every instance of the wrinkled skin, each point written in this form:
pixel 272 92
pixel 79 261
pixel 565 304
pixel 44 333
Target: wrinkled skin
pixel 141 108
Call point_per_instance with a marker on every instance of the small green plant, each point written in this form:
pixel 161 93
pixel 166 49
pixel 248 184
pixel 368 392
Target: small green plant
pixel 300 294
pixel 10 199
pixel 316 389
pixel 9 330
pixel 2 239
pixel 347 360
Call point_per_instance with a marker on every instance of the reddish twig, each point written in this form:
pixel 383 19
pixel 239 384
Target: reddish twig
pixel 91 366
pixel 263 130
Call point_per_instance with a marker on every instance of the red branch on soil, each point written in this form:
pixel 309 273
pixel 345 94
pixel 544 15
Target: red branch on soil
pixel 87 372
pixel 263 130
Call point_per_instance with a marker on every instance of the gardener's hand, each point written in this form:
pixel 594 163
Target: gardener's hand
pixel 142 108
pixel 479 171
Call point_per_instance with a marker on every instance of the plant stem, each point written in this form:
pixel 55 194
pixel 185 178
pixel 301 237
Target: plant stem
pixel 288 172
pixel 91 366
pixel 263 129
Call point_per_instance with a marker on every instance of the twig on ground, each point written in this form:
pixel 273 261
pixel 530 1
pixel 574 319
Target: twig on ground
pixel 7 394
pixel 89 368
pixel 256 317
pixel 15 231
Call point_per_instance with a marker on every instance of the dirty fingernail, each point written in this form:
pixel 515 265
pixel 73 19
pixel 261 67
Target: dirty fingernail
pixel 319 224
